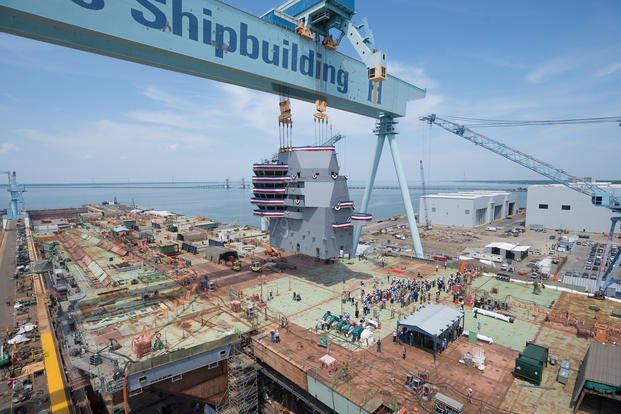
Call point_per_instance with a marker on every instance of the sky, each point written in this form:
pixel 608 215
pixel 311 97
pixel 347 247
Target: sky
pixel 69 116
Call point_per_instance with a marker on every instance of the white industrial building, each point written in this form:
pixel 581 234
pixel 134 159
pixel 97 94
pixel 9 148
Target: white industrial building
pixel 508 250
pixel 554 206
pixel 468 208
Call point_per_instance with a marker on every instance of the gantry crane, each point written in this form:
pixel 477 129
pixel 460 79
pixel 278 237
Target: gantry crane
pixel 315 19
pixel 292 57
pixel 599 196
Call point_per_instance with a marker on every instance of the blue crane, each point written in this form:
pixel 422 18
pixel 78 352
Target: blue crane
pixel 17 200
pixel 599 196
pixel 289 51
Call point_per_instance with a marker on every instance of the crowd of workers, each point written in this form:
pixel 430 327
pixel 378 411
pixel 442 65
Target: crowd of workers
pixel 404 292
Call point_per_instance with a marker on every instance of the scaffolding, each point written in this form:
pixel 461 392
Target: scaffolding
pixel 242 388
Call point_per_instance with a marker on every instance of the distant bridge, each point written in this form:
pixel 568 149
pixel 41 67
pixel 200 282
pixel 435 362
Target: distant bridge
pixel 219 186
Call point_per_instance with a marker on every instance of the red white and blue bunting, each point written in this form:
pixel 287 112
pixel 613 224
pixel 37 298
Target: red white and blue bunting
pixel 361 217
pixel 344 204
pixel 267 201
pixel 271 167
pixel 269 190
pixel 282 179
pixel 341 226
pixel 313 149
pixel 267 213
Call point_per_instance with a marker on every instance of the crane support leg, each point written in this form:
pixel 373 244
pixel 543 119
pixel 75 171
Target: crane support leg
pixel 367 190
pixel 405 194
pixel 386 128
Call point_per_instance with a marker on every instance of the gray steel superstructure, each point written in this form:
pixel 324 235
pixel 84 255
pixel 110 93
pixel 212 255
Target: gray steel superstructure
pixel 306 200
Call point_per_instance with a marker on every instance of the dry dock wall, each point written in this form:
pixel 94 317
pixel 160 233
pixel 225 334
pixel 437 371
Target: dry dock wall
pixel 280 363
pixel 332 398
pixel 307 380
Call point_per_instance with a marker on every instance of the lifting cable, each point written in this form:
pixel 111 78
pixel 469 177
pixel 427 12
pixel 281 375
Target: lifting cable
pixel 316 134
pixel 425 157
pixel 285 122
pixel 321 121
pixel 321 118
pixel 490 123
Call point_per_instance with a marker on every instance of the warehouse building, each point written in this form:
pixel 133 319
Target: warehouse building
pixel 508 251
pixel 554 206
pixel 468 209
pixel 599 375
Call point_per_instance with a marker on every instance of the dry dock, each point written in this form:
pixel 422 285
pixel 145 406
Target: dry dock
pixel 148 314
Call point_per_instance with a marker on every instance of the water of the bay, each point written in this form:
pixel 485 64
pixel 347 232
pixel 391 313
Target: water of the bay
pixel 227 205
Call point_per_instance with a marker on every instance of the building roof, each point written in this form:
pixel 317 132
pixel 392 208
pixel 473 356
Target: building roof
pixel 42 266
pixel 432 319
pixel 120 229
pixel 327 359
pixel 602 363
pixel 501 245
pixel 508 246
pixel 468 195
pixel 160 213
pixel 449 401
pixel 537 352
pixel 194 233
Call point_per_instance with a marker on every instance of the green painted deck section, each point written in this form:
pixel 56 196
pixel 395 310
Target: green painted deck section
pixel 527 318
pixel 517 291
pixel 512 335
pixel 320 290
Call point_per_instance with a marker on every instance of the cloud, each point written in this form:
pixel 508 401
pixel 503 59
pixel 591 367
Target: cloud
pixel 159 95
pixel 112 139
pixel 7 147
pixel 229 107
pixel 256 110
pixel 413 74
pixel 608 70
pixel 173 147
pixel 166 117
pixel 548 70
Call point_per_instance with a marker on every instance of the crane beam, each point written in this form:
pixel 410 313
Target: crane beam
pixel 209 39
